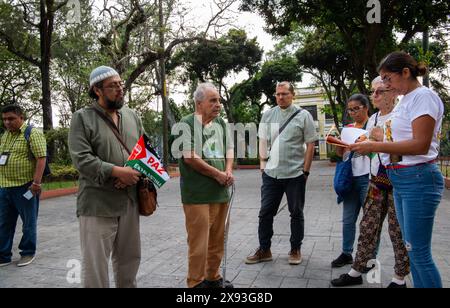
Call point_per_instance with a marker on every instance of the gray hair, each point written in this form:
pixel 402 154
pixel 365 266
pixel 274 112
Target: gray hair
pixel 377 80
pixel 287 84
pixel 200 92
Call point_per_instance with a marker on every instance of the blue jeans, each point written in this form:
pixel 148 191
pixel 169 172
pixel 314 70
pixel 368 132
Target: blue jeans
pixel 417 193
pixel 12 205
pixel 353 202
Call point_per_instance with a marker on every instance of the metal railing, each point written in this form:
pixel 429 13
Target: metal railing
pixel 444 163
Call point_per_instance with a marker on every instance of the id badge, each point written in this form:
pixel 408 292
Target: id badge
pixel 4 158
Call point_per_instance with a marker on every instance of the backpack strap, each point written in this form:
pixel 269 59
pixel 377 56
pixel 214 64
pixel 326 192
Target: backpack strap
pixel 27 136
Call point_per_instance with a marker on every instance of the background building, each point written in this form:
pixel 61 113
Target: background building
pixel 314 100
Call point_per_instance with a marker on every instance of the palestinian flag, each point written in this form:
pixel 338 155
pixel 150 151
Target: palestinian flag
pixel 145 160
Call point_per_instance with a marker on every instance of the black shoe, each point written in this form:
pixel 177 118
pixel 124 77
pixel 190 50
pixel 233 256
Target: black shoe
pixel 393 285
pixel 367 269
pixel 347 280
pixel 342 260
pixel 202 285
pixel 218 284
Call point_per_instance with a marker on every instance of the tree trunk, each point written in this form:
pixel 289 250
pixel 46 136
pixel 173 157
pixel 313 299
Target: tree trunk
pixel 228 111
pixel 46 30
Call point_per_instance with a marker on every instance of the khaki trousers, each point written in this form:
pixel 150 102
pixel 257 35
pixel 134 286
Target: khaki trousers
pixel 205 226
pixel 105 238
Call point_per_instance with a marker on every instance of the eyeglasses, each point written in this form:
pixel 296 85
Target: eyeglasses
pixel 388 78
pixel 115 86
pixel 379 92
pixel 282 94
pixel 355 110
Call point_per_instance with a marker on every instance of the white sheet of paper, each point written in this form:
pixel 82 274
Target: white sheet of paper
pixel 28 195
pixel 3 160
pixel 350 134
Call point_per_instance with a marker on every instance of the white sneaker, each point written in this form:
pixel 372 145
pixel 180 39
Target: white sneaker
pixel 3 264
pixel 26 260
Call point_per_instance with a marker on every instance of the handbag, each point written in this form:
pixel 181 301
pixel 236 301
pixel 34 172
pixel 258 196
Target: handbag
pixel 147 197
pixel 381 180
pixel 147 194
pixel 343 178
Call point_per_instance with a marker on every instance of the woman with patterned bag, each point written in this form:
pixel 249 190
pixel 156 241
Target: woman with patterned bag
pixel 379 203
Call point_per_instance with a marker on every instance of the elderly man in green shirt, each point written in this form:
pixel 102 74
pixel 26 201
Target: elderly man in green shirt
pixel 206 158
pixel 107 204
pixel 286 169
pixel 22 164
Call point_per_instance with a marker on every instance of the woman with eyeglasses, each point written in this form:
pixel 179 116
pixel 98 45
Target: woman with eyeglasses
pixel 379 204
pixel 358 110
pixel 412 144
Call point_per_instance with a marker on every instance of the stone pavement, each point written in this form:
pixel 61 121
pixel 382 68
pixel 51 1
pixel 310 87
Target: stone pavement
pixel 164 241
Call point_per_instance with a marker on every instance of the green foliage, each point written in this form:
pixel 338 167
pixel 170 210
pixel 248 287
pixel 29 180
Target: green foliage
pixel 367 42
pixel 152 122
pixel 61 172
pixel 434 58
pixel 325 51
pixel 59 185
pixel 75 56
pixel 214 60
pixel 181 110
pixel 329 112
pixel 334 158
pixel 59 137
pixel 445 147
pixel 247 95
pixel 277 70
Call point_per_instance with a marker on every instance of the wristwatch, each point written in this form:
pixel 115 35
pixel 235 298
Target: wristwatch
pixel 306 173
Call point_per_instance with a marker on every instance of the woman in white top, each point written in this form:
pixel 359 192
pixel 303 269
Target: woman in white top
pixel 412 144
pixel 379 204
pixel 358 109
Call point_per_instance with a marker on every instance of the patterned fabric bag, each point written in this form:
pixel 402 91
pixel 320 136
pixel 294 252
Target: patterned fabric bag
pixel 381 180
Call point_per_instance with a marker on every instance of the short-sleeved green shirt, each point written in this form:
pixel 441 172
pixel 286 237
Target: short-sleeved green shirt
pixel 287 155
pixel 211 143
pixel 20 169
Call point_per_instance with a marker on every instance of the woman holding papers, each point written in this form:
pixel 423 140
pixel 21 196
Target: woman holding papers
pixel 414 130
pixel 379 204
pixel 358 109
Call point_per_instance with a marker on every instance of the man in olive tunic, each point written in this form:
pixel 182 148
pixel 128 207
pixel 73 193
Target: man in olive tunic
pixel 206 168
pixel 107 201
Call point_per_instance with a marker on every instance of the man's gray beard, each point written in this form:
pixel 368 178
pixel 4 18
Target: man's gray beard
pixel 114 105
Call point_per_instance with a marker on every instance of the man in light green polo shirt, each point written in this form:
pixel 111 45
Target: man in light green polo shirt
pixel 22 165
pixel 286 163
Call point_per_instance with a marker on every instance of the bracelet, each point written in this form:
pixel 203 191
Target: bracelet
pixel 35 184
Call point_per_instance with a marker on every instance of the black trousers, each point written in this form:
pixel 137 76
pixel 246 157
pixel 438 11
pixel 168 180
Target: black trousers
pixel 272 192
